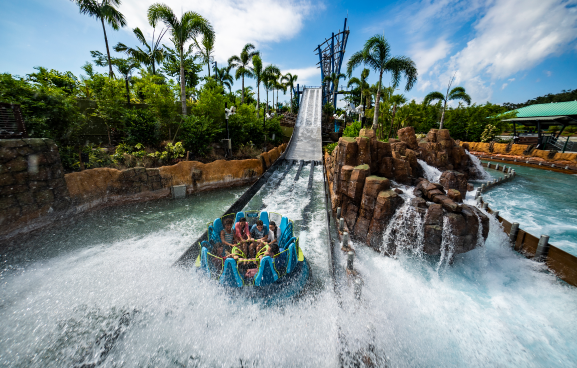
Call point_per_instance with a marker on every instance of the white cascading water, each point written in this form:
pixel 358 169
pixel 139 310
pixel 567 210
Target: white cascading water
pixel 431 173
pixel 480 172
pixel 102 292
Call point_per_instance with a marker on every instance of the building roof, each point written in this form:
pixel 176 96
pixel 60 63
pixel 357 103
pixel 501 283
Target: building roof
pixel 549 109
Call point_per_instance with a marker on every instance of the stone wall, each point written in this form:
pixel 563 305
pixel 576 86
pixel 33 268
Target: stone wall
pixel 31 181
pixel 34 190
pixel 365 177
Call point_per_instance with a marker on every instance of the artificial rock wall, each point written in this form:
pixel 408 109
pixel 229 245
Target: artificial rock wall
pixel 32 181
pixel 362 172
pixel 34 190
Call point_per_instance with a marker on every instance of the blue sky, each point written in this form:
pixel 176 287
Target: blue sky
pixel 499 50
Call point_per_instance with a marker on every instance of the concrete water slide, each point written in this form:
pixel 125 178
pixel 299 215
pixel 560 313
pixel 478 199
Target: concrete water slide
pixel 305 146
pixel 307 140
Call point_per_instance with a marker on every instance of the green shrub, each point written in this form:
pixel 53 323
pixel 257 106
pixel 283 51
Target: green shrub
pixel 142 127
pixel 329 148
pixel 197 133
pixel 353 130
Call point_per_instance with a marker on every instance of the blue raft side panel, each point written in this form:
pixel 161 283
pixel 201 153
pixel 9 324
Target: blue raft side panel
pixel 281 260
pixel 238 216
pixel 292 258
pixel 266 273
pixel 204 261
pixel 284 221
pixel 215 230
pixel 264 218
pixel 230 275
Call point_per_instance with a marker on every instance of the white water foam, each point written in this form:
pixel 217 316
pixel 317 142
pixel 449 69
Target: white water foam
pixel 479 171
pixel 431 173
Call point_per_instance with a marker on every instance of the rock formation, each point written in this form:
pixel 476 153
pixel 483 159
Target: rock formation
pixel 363 173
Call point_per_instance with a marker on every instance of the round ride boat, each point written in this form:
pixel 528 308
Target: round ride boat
pixel 273 267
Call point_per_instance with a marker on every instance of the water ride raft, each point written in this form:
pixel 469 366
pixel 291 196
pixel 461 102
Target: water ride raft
pixel 283 274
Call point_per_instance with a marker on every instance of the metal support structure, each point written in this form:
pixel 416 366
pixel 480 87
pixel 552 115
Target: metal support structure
pixel 331 53
pixel 514 231
pixel 338 212
pixel 341 224
pixel 350 260
pixel 542 247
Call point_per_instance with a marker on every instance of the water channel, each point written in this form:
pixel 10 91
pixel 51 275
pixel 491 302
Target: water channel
pixel 101 290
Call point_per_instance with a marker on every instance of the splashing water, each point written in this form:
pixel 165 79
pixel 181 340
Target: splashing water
pixel 447 244
pixel 479 172
pixel 432 174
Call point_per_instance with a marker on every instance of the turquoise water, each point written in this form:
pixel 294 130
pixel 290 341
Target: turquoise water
pixel 542 202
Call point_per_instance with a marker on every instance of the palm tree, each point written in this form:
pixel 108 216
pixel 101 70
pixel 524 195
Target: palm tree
pixel 241 63
pixel 153 53
pixel 396 100
pixel 280 86
pixel 205 50
pixel 258 73
pixel 270 75
pixel 361 83
pixel 125 68
pixel 290 80
pixel 334 78
pixel 223 77
pixel 457 93
pixel 377 55
pixel 104 10
pixel 189 26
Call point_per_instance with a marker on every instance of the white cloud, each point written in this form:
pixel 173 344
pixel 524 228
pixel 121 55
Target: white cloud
pixel 236 22
pixel 425 57
pixel 548 72
pixel 504 85
pixel 308 75
pixel 514 35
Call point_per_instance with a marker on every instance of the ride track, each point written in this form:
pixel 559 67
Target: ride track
pixel 304 147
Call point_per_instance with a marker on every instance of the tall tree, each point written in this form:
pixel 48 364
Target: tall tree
pixel 457 93
pixel 396 100
pixel 205 50
pixel 361 83
pixel 289 81
pixel 271 73
pixel 258 72
pixel 334 78
pixel 242 64
pixel 376 54
pixel 125 68
pixel 151 55
pixel 188 27
pixel 105 11
pixel 223 77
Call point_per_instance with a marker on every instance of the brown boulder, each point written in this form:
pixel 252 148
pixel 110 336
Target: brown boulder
pixel 369 133
pixel 454 195
pixel 357 182
pixel 387 203
pixel 432 136
pixel 364 151
pixel 408 136
pixel 399 147
pixel 386 167
pixel 433 229
pixel 443 134
pixel 402 171
pixel 451 179
pixel 347 154
pixel 345 178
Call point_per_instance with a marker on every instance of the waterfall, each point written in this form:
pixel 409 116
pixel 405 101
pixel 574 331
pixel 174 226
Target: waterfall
pixel 478 171
pixel 405 231
pixel 431 173
pixel 447 244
